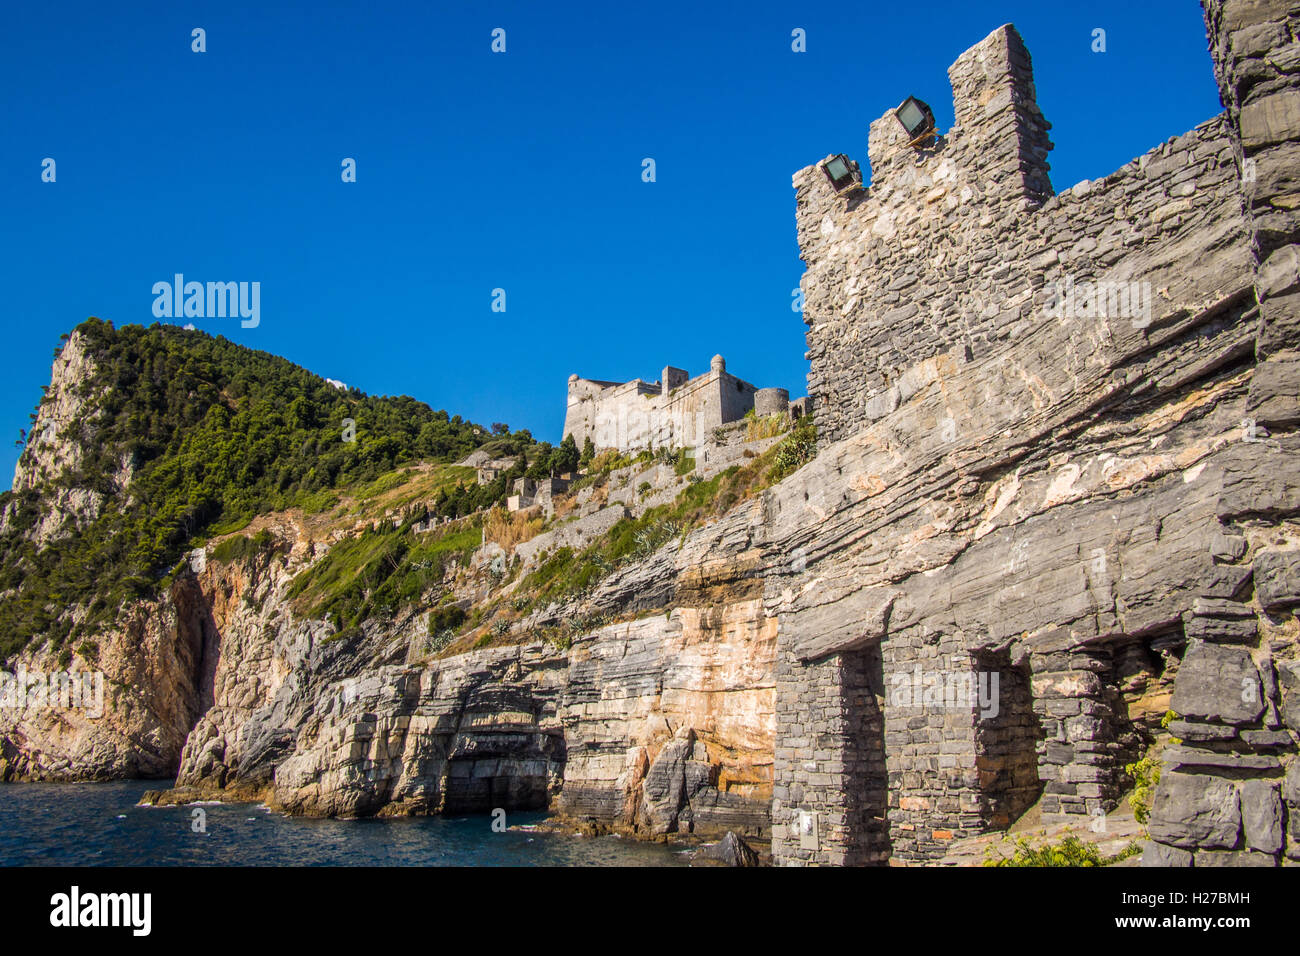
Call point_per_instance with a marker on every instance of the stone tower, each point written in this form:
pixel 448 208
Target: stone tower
pixel 908 269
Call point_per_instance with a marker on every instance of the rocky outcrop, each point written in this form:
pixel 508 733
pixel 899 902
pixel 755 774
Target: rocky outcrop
pixel 64 428
pixel 657 726
pixel 731 850
pixel 149 667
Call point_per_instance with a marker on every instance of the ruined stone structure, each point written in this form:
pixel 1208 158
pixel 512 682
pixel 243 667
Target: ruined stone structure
pixel 1230 794
pixel 1057 449
pixel 491 469
pixel 539 492
pixel 675 412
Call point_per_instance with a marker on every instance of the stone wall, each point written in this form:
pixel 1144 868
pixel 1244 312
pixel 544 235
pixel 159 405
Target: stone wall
pixel 829 798
pixel 957 249
pixel 636 415
pixel 575 534
pixel 1229 794
pixel 1033 464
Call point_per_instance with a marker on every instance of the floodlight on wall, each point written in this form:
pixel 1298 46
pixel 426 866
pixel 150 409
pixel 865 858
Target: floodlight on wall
pixel 843 174
pixel 917 118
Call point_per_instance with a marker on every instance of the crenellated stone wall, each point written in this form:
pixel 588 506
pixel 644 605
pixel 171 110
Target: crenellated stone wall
pixel 675 412
pixel 1057 447
pixel 958 249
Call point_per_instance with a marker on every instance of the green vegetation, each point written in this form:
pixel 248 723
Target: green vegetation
pixel 566 572
pixel 1071 851
pixel 239 547
pixel 797 448
pixel 381 572
pixel 216 434
pixel 1145 774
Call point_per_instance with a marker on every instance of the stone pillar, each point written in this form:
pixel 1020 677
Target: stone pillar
pixel 1257 63
pixel 1220 800
pixel 829 762
pixel 996 109
pixel 1077 753
pixel 930 742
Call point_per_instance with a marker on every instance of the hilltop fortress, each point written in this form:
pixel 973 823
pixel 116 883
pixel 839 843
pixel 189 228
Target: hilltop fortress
pixel 675 412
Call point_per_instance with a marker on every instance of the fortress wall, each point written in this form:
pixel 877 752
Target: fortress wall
pixel 593 405
pixel 736 397
pixel 956 249
pixel 637 415
pixel 947 368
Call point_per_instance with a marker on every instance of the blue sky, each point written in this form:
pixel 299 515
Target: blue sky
pixel 478 171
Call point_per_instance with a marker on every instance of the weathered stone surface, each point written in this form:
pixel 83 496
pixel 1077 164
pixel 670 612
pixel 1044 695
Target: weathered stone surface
pixel 1228 547
pixel 1273 391
pixel 1274 119
pixel 1277 579
pixel 1222 630
pixel 731 850
pixel 1195 757
pixel 152 684
pixel 1189 730
pixel 1291 785
pixel 1261 815
pixel 1219 858
pixel 1268 739
pixel 1195 810
pixel 1218 683
pixel 1158 854
pixel 1288 673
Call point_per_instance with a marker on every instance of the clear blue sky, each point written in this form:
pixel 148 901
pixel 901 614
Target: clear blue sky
pixel 478 170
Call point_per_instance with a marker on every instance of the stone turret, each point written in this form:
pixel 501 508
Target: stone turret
pixel 909 268
pixel 771 401
pixel 672 378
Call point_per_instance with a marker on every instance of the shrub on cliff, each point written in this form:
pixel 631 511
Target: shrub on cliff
pixel 795 450
pixel 240 547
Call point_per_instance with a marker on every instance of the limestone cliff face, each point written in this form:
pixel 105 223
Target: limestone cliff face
pixel 65 426
pixel 150 664
pixel 657 725
pixel 660 725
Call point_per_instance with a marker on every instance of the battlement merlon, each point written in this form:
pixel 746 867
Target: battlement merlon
pixel 999 129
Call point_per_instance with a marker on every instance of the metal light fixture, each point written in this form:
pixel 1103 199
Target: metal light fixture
pixel 917 118
pixel 844 176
